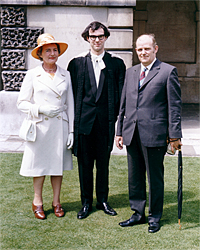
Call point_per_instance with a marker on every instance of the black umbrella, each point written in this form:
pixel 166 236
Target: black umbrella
pixel 180 180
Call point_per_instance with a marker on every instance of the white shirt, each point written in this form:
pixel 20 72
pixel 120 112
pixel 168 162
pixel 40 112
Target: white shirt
pixel 98 65
pixel 148 67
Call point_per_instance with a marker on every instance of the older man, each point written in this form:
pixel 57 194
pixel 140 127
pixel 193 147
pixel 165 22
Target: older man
pixel 150 113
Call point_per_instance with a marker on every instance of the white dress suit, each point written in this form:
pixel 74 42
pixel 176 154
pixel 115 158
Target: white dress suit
pixel 48 155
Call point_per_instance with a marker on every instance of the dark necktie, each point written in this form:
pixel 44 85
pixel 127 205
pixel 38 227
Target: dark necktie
pixel 142 77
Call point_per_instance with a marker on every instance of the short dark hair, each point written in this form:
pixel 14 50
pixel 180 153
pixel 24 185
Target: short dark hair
pixel 39 51
pixel 95 26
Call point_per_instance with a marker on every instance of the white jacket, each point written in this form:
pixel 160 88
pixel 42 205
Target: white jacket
pixel 48 155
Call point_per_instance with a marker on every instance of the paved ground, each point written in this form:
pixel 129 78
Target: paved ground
pixel 190 140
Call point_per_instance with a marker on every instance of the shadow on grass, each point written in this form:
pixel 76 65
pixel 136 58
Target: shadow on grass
pixel 190 209
pixel 116 201
pixel 190 213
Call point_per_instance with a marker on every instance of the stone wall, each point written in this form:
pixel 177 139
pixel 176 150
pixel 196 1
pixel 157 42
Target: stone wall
pixel 176 26
pixel 16 38
pixel 65 23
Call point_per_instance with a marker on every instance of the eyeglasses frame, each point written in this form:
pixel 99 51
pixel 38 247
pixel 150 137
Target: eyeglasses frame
pixel 100 37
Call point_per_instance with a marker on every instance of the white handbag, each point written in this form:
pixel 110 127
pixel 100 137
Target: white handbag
pixel 28 129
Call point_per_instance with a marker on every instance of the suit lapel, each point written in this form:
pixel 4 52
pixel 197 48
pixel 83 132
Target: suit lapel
pixel 152 73
pixel 45 79
pixel 59 77
pixel 103 74
pixel 135 77
pixel 101 83
pixel 91 74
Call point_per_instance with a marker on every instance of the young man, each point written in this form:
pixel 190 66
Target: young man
pixel 97 80
pixel 150 112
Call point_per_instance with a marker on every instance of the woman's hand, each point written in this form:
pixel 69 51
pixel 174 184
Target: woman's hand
pixel 49 110
pixel 70 140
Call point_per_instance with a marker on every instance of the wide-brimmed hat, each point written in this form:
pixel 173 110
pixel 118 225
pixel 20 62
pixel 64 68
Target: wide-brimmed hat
pixel 48 39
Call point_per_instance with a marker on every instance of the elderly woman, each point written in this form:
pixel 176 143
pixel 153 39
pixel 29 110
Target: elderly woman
pixel 46 95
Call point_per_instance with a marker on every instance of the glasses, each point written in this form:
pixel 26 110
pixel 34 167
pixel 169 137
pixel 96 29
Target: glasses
pixel 93 38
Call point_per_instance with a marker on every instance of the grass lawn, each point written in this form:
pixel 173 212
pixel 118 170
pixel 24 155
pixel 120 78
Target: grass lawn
pixel 21 230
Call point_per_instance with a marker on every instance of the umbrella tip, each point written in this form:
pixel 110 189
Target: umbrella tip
pixel 179 222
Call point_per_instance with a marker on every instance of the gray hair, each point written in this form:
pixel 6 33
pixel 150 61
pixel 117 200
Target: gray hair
pixel 151 35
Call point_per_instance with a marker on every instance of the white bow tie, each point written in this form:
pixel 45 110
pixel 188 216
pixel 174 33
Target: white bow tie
pixel 99 62
pixel 98 65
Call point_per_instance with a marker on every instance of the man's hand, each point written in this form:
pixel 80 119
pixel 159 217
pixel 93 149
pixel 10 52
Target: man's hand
pixel 119 142
pixel 175 143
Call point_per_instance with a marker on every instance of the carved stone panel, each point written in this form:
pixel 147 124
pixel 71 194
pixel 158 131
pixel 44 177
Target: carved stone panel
pixel 13 59
pixel 16 38
pixel 20 37
pixel 13 16
pixel 12 80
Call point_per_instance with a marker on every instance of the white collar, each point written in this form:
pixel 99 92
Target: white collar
pixel 99 59
pixel 95 57
pixel 149 66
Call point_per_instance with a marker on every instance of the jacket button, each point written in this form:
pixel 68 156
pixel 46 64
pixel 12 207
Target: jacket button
pixel 59 97
pixel 59 117
pixel 46 118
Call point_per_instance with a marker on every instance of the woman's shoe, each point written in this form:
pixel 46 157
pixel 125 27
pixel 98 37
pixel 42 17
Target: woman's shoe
pixel 38 212
pixel 58 210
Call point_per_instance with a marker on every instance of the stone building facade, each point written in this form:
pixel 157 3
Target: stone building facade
pixel 175 24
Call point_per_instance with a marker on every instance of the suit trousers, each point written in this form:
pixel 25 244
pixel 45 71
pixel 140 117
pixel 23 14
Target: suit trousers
pixel 93 147
pixel 143 159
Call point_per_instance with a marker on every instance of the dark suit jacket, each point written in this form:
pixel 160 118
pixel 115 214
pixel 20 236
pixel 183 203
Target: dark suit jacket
pixel 155 107
pixel 91 102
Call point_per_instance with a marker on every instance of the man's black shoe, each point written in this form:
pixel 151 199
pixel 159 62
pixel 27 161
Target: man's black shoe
pixel 153 227
pixel 133 221
pixel 106 208
pixel 84 212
